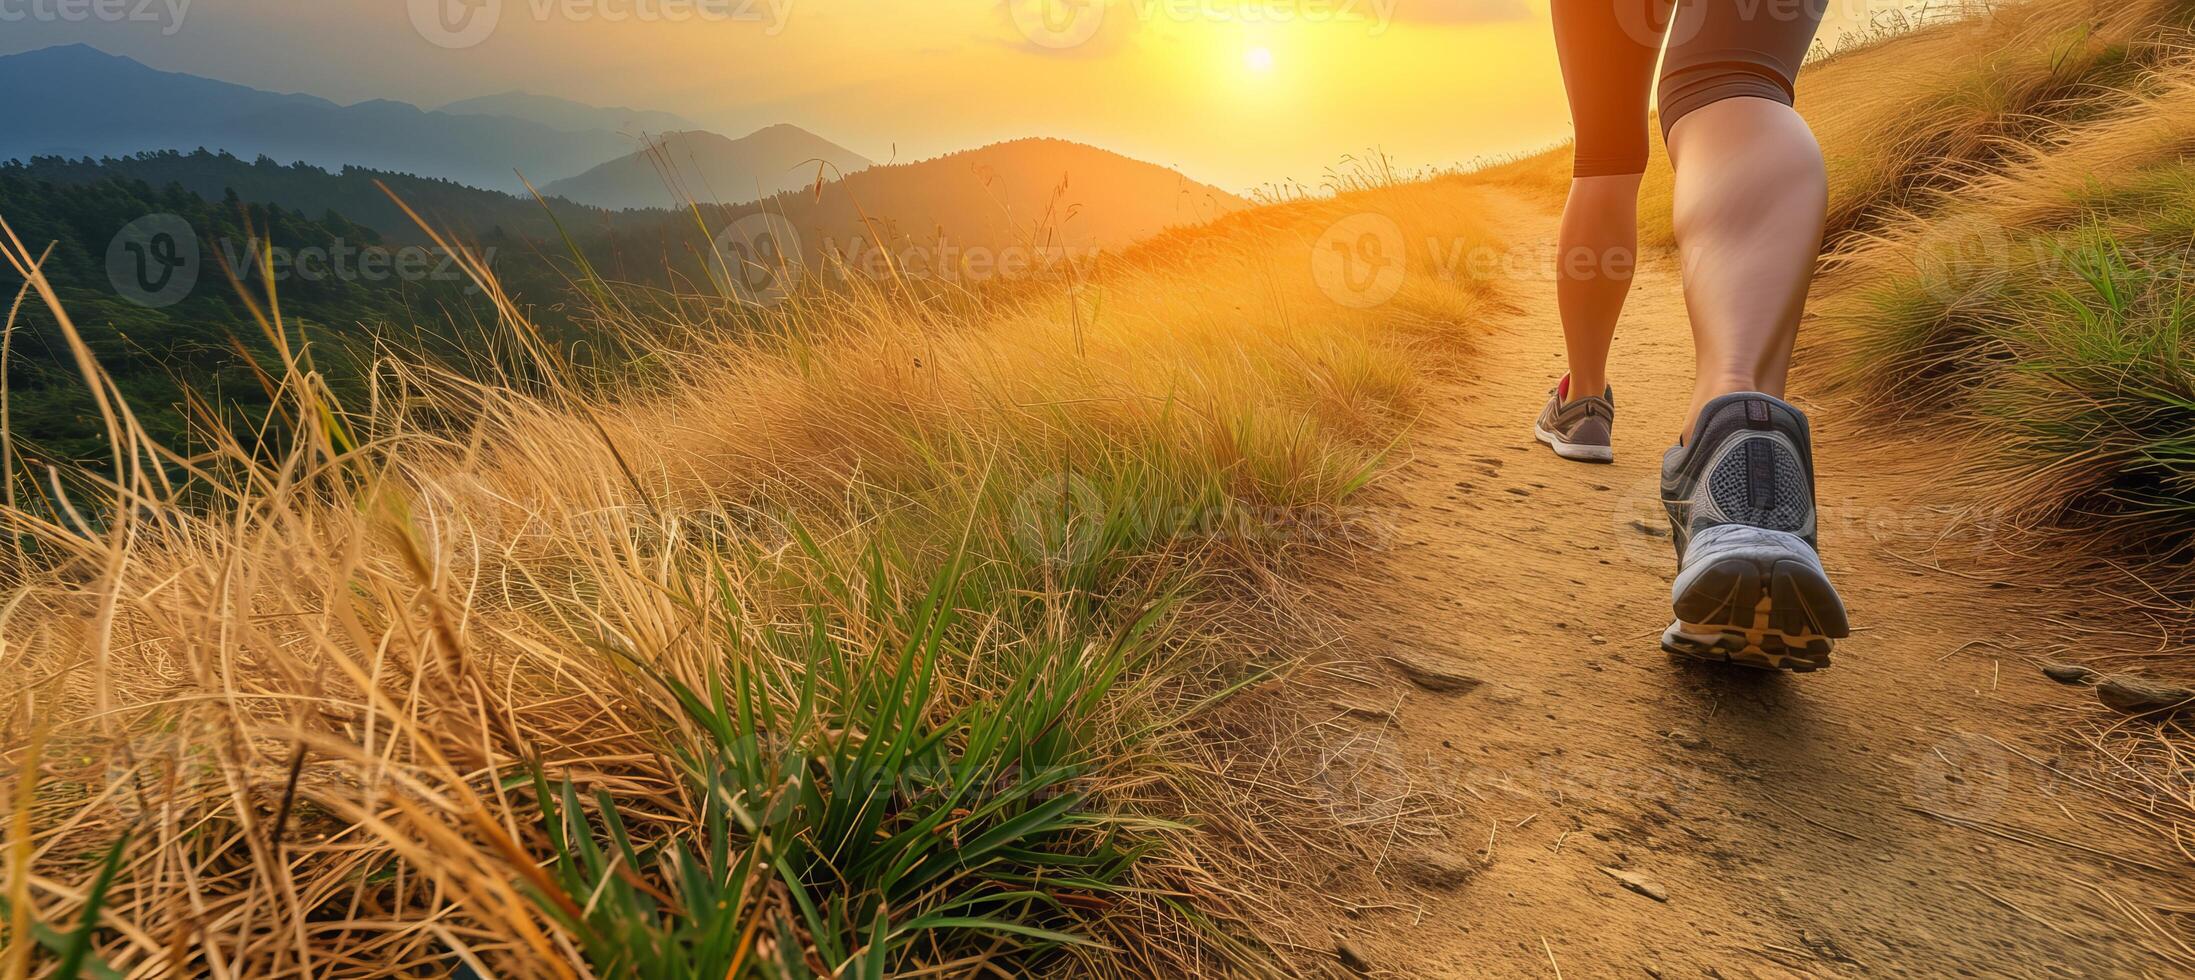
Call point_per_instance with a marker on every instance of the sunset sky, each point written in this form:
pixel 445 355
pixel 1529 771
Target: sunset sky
pixel 1235 92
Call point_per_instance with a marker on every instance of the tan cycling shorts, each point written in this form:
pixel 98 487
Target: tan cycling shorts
pixel 1717 49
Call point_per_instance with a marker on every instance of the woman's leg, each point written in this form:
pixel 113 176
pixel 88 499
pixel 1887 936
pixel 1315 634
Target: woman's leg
pixel 1608 49
pixel 1599 247
pixel 1750 192
pixel 1749 203
pixel 1750 195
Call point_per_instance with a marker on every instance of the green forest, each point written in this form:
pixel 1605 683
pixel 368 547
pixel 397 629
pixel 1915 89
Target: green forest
pixel 146 276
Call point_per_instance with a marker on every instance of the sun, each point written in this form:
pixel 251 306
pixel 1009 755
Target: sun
pixel 1258 60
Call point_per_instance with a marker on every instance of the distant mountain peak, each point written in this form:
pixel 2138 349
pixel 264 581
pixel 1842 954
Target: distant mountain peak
pixel 91 103
pixel 77 50
pixel 709 166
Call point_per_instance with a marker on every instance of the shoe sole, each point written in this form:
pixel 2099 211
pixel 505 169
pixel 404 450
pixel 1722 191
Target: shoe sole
pixel 1758 607
pixel 1576 452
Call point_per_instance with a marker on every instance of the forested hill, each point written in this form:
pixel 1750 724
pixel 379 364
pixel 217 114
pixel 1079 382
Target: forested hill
pixel 469 212
pixel 141 272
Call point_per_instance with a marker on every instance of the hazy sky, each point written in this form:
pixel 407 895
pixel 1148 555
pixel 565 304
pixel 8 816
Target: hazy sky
pixel 1235 92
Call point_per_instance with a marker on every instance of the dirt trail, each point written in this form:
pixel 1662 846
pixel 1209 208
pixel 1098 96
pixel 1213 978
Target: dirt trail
pixel 1879 818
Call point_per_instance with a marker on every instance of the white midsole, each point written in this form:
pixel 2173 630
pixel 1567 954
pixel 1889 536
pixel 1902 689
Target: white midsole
pixel 1571 450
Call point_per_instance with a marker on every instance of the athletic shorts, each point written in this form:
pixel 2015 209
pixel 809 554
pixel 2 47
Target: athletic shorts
pixel 1717 49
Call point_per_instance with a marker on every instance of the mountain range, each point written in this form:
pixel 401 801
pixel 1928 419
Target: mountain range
pixel 99 116
pixel 92 104
pixel 701 166
pixel 89 103
pixel 569 116
pixel 95 145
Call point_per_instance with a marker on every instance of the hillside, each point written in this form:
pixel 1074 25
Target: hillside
pixel 1033 194
pixel 983 660
pixel 1212 614
pixel 535 249
pixel 468 212
pixel 169 335
pixel 679 167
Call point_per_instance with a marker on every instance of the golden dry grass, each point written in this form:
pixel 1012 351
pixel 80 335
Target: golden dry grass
pixel 307 684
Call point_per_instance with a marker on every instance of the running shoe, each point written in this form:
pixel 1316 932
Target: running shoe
pixel 1578 430
pixel 1750 588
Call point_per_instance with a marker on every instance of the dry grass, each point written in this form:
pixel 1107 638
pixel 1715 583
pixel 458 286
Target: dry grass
pixel 1906 121
pixel 320 695
pixel 2026 293
pixel 2042 304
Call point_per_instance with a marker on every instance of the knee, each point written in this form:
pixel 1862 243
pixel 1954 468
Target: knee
pixel 1602 154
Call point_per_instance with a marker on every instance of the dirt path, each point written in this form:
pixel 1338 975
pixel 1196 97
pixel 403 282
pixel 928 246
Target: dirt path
pixel 1880 818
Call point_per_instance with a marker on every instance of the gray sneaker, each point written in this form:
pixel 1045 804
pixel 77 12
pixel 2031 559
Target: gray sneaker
pixel 1750 589
pixel 1578 430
